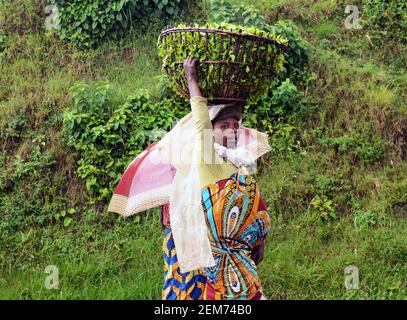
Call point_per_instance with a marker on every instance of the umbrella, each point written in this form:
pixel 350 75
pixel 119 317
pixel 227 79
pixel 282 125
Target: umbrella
pixel 145 184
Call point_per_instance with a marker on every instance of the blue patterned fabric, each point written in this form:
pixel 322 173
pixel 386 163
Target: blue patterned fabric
pixel 178 285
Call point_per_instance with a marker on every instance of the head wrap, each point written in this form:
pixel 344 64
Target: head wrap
pixel 229 111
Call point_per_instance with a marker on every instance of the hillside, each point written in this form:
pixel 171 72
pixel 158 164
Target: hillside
pixel 335 182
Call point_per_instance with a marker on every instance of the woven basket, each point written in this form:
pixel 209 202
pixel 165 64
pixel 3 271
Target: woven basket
pixel 230 75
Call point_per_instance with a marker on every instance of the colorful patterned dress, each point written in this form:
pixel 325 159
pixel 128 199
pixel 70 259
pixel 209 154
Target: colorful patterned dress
pixel 237 221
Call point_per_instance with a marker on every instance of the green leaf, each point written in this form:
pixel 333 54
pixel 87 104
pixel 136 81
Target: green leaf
pixel 67 222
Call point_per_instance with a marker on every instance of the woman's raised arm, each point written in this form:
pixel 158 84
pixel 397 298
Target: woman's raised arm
pixel 190 72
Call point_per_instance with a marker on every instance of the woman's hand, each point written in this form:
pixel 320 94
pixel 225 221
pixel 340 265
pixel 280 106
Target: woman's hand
pixel 190 72
pixel 258 253
pixel 190 68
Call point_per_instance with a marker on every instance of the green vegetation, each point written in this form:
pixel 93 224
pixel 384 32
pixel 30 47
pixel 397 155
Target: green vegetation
pixel 334 182
pixel 388 19
pixel 87 23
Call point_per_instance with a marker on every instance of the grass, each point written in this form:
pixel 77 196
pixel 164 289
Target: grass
pixel 306 259
pixel 326 29
pixel 123 261
pixel 131 65
pixel 302 261
pixel 359 98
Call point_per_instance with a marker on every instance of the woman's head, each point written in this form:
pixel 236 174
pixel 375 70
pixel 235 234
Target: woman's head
pixel 225 126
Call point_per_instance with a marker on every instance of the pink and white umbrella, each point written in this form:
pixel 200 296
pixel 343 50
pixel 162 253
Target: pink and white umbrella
pixel 145 184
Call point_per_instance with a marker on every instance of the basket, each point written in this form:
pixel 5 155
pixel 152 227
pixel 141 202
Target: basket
pixel 232 65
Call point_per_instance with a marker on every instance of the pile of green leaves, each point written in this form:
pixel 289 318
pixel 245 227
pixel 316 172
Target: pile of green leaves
pixel 88 22
pixel 252 76
pixel 387 19
pixel 108 136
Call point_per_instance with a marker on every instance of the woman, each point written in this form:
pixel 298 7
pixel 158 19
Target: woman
pixel 236 216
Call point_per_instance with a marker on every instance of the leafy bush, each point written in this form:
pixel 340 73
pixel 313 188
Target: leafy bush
pixel 107 137
pixel 275 112
pixel 323 206
pixel 364 219
pixel 27 187
pixel 364 149
pixel 14 127
pixel 246 15
pixel 297 53
pixel 88 22
pixel 280 102
pixel 368 151
pixel 164 87
pixel 387 19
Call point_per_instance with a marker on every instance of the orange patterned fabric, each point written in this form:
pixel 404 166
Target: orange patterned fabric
pixel 237 221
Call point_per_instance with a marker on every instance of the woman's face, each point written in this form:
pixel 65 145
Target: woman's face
pixel 225 132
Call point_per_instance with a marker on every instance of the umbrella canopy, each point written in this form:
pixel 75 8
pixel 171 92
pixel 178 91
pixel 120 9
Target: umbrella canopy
pixel 145 184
